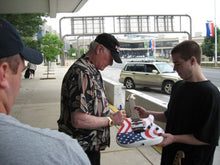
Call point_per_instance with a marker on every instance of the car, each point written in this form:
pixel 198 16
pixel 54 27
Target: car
pixel 149 74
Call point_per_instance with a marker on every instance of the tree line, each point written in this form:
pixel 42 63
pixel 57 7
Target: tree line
pixel 208 46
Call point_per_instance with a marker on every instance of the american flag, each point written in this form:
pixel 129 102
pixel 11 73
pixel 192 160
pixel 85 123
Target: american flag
pixel 127 136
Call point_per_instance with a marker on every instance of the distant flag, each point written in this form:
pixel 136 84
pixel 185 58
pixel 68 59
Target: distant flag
pixel 151 45
pixel 145 44
pixel 210 29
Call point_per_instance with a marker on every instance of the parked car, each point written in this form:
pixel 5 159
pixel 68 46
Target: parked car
pixel 149 74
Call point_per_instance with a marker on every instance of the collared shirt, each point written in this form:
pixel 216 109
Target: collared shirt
pixel 83 91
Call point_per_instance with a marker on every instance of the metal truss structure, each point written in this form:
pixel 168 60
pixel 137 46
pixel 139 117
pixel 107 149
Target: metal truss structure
pixel 128 24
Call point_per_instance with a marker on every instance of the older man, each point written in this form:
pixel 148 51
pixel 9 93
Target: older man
pixel 20 143
pixel 85 114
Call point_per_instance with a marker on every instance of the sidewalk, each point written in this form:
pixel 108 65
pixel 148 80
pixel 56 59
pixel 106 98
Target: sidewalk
pixel 38 105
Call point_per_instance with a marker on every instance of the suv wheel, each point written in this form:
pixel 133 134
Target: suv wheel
pixel 129 84
pixel 167 87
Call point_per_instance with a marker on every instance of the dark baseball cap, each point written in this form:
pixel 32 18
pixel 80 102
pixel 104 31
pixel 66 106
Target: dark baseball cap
pixel 111 43
pixel 12 44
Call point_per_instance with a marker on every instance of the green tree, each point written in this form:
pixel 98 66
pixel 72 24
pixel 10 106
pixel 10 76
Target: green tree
pixel 51 47
pixel 31 43
pixel 26 24
pixel 82 51
pixel 208 46
pixel 73 51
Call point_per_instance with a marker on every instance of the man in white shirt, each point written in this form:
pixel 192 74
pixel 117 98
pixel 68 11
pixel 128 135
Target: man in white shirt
pixel 20 143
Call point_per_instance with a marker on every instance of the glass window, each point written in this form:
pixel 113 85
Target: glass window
pixel 140 67
pixel 150 68
pixel 130 67
pixel 135 67
pixel 165 68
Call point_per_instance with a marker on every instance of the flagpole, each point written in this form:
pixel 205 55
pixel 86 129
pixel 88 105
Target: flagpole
pixel 216 63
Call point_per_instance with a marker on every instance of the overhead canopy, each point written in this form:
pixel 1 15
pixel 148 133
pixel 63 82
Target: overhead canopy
pixel 40 6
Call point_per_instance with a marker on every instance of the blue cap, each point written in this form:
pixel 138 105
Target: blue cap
pixel 12 44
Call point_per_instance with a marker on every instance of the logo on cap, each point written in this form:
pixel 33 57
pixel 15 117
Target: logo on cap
pixel 117 48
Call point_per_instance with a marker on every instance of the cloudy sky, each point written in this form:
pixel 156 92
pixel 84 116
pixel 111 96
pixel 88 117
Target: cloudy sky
pixel 199 10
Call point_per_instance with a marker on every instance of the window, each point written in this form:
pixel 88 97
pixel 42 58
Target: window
pixel 150 68
pixel 130 67
pixel 140 68
pixel 135 67
pixel 165 68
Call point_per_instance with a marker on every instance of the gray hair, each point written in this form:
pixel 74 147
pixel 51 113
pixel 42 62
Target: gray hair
pixel 93 45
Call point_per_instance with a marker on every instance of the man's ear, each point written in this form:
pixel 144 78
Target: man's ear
pixel 193 60
pixel 3 74
pixel 99 49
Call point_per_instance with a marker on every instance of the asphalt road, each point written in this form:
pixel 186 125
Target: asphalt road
pixel 113 73
pixel 212 74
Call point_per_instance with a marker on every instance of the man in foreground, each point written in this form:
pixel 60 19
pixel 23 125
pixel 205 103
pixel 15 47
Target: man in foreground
pixel 20 143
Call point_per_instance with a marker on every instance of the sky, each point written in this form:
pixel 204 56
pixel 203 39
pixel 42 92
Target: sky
pixel 200 11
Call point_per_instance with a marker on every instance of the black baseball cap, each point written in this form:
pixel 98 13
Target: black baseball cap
pixel 12 44
pixel 111 43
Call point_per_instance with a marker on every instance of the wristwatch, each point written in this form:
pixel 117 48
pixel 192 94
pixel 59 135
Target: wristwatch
pixel 110 122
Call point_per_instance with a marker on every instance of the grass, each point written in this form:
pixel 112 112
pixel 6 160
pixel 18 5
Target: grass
pixel 209 64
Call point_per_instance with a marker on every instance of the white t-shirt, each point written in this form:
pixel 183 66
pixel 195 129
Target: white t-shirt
pixel 32 66
pixel 22 144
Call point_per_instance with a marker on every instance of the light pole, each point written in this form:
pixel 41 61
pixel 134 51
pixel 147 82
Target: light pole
pixel 216 61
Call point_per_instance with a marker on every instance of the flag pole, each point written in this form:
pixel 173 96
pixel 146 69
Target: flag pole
pixel 216 62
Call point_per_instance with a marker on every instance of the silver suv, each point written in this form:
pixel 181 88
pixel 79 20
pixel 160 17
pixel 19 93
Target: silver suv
pixel 149 74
